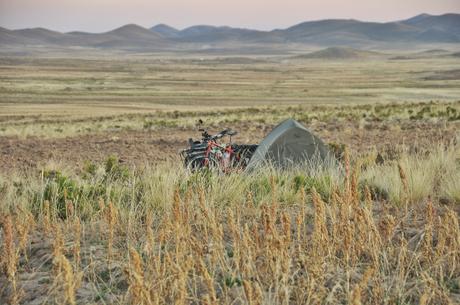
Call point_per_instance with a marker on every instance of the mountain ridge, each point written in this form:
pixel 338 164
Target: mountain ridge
pixel 423 28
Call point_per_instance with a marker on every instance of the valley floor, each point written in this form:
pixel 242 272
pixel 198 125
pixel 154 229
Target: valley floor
pixel 96 209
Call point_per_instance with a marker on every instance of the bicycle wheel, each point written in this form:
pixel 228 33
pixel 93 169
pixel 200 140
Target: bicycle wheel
pixel 202 163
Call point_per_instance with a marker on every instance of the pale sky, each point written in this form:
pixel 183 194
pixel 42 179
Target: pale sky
pixel 104 15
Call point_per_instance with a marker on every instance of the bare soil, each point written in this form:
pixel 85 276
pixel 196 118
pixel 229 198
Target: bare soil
pixel 154 146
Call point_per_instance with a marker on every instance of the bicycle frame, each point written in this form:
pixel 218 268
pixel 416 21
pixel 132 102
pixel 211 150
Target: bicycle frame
pixel 209 153
pixel 228 149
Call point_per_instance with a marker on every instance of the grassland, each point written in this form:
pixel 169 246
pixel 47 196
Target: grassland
pixel 51 85
pixel 64 90
pixel 360 234
pixel 95 207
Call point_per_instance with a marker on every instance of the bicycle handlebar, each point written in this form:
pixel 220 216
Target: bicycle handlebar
pixel 206 136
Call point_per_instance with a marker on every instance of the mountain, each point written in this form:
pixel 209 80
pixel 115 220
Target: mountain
pixel 209 34
pixel 421 29
pixel 133 31
pixel 129 36
pixel 29 36
pixel 447 23
pixel 206 33
pixel 444 28
pixel 7 37
pixel 165 30
pixel 337 32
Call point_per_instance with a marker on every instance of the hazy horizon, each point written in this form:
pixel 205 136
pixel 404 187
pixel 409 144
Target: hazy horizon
pixel 105 15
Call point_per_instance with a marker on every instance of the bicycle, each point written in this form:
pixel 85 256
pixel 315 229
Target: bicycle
pixel 209 153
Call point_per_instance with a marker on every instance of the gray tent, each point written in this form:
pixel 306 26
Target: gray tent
pixel 289 144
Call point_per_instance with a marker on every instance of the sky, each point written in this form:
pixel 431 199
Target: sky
pixel 105 15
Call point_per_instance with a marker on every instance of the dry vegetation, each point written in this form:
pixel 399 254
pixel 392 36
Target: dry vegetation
pixel 359 233
pixel 110 84
pixel 379 227
pixel 137 139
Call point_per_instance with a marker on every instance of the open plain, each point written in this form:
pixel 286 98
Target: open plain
pixel 96 207
pixel 144 108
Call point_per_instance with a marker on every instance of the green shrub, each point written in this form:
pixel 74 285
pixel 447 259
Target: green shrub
pixel 114 170
pixel 58 189
pixel 322 184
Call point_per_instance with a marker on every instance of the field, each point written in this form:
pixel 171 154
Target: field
pixel 96 208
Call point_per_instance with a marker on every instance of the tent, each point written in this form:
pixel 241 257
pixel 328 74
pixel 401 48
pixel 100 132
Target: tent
pixel 288 144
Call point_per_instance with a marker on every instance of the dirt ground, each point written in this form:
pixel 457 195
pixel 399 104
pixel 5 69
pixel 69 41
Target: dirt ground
pixel 150 147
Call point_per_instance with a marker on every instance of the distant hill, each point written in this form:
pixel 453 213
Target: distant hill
pixel 126 37
pixel 130 35
pixel 209 34
pixel 29 36
pixel 339 32
pixel 165 31
pixel 447 23
pixel 334 53
pixel 336 32
pixel 421 29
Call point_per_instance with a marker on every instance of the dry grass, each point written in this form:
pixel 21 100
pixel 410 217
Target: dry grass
pixel 418 176
pixel 38 96
pixel 369 230
pixel 161 237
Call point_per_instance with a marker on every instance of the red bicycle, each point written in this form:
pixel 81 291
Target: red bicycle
pixel 209 153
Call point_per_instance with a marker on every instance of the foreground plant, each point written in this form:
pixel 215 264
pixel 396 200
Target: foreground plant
pixel 270 238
